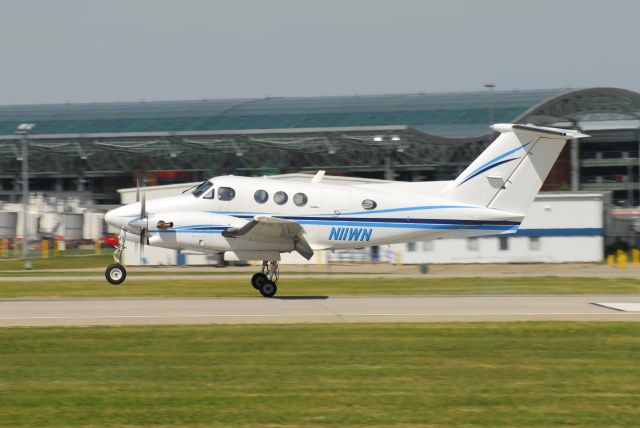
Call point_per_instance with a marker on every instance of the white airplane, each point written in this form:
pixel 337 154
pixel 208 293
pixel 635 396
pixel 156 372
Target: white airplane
pixel 260 218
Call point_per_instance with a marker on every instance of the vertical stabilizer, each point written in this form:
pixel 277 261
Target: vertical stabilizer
pixel 509 173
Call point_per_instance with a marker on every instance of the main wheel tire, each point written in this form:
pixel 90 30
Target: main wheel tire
pixel 268 289
pixel 115 273
pixel 258 279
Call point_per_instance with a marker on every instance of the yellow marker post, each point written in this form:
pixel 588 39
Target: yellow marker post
pixel 622 259
pixel 611 260
pixel 45 248
pixel 98 247
pixel 635 257
pixel 3 247
pixel 56 248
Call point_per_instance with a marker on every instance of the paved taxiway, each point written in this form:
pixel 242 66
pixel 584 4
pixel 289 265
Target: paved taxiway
pixel 141 311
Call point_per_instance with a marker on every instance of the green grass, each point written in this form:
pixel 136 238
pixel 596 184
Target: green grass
pixel 100 273
pixel 364 375
pixel 195 287
pixel 79 261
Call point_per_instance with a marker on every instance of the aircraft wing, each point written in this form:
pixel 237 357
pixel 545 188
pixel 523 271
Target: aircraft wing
pixel 275 230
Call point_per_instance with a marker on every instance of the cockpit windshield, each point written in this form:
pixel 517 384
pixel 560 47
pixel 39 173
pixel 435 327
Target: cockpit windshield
pixel 202 188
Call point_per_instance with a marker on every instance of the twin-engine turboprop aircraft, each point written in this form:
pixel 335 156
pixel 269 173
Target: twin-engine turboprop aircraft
pixel 260 218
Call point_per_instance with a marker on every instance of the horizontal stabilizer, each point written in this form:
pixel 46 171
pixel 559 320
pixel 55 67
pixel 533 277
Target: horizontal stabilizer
pixel 562 134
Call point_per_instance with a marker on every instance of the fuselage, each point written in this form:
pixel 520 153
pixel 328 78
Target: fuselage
pixel 333 216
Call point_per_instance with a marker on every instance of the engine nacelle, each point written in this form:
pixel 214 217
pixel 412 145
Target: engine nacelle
pixel 191 230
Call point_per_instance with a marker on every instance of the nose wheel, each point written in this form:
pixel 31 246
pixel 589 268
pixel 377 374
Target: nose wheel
pixel 265 280
pixel 115 273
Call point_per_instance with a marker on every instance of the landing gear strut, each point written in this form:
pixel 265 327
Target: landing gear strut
pixel 265 280
pixel 115 272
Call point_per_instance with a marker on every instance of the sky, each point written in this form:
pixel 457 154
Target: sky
pixel 131 50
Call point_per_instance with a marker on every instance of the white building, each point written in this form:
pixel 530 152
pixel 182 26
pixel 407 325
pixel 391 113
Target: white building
pixel 559 227
pixel 71 215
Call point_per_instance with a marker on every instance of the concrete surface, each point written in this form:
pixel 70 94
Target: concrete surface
pixel 313 309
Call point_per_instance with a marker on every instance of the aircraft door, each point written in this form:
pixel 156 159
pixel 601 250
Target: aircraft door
pixel 335 204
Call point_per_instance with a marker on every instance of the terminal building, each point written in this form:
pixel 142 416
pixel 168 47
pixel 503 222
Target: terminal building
pixel 95 149
pixel 102 147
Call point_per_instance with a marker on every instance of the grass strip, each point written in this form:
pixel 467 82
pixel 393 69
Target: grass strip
pixel 194 287
pixel 62 262
pixel 362 375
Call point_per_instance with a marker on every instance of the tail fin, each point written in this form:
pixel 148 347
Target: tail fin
pixel 509 173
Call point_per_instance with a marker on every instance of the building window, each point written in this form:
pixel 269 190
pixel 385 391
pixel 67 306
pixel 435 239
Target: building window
pixel 226 194
pixel 261 196
pixel 280 198
pixel 300 199
pixel 473 244
pixel 534 243
pixel 411 247
pixel 503 243
pixel 428 245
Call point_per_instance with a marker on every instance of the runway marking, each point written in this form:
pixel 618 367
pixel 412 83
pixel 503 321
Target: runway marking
pixel 625 307
pixel 317 315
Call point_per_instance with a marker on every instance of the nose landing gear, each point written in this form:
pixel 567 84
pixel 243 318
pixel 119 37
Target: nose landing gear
pixel 265 280
pixel 115 272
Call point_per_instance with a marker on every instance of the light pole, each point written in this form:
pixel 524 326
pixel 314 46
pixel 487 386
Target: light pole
pixel 24 130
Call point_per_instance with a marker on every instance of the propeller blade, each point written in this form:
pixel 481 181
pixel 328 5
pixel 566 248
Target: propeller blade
pixel 144 220
pixel 143 206
pixel 143 236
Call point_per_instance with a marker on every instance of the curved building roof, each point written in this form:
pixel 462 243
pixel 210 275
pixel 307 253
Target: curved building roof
pixel 417 132
pixel 447 115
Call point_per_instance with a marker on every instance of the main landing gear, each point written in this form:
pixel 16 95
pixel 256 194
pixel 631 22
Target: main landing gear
pixel 116 273
pixel 265 280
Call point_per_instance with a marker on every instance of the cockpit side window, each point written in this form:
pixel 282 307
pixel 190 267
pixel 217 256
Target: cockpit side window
pixel 226 193
pixel 210 194
pixel 202 188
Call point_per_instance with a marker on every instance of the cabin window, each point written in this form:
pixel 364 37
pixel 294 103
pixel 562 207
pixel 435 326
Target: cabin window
pixel 368 204
pixel 202 188
pixel 209 194
pixel 300 199
pixel 226 193
pixel 261 196
pixel 280 198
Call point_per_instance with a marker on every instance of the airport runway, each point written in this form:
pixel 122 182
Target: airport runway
pixel 314 309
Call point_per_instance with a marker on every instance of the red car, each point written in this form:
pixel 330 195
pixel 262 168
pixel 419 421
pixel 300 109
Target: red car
pixel 109 240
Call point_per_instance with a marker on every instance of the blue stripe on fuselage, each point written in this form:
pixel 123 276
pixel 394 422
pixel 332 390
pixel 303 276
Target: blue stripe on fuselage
pixel 386 220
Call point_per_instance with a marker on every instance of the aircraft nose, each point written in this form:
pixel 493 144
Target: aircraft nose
pixel 114 217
